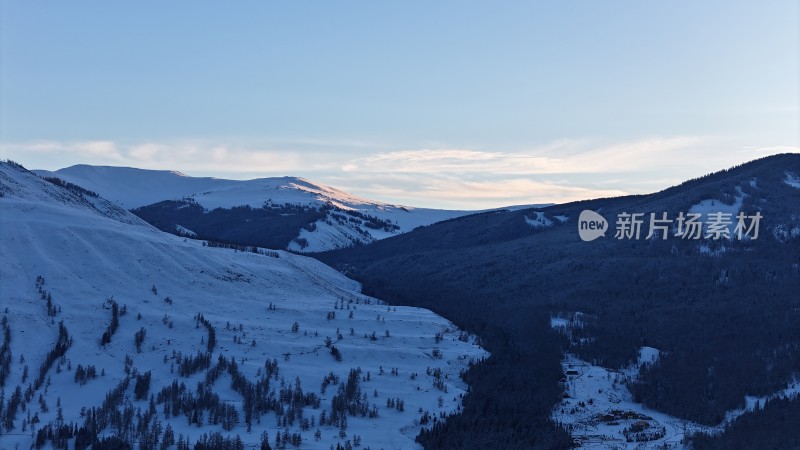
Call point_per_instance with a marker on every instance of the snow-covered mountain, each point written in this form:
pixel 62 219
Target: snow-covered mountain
pixel 327 218
pixel 112 328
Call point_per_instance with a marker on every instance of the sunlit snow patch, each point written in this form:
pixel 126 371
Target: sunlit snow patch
pixel 792 180
pixel 538 220
pixel 183 231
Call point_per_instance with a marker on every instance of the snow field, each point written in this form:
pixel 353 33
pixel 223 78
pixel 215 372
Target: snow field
pixel 87 257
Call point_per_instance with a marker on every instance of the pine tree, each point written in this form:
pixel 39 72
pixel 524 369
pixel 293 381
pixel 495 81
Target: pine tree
pixel 265 441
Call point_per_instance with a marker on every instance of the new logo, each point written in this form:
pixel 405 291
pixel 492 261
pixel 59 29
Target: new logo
pixel 591 225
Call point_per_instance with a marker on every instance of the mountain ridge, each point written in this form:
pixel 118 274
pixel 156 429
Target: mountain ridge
pixel 327 217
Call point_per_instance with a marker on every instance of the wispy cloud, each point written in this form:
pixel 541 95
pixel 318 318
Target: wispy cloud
pixel 559 171
pixel 92 150
pixel 188 156
pixel 452 192
pixel 564 157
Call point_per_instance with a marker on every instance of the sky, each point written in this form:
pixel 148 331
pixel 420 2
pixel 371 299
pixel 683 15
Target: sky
pixel 451 104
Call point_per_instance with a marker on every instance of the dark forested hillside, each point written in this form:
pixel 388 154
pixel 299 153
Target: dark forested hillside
pixel 773 426
pixel 271 227
pixel 725 314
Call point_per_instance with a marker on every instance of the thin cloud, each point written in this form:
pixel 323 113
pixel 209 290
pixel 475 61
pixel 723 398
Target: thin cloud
pixel 478 194
pixel 186 156
pixel 94 150
pixel 559 171
pixel 566 157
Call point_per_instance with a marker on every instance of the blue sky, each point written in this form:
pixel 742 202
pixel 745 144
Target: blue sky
pixel 446 104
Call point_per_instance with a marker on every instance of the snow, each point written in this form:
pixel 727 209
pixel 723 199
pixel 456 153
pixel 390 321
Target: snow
pixel 791 391
pixel 565 323
pixel 132 188
pixel 599 411
pixel 539 220
pixel 648 355
pixel 88 254
pixel 712 206
pixel 558 322
pixel 598 407
pixel 706 207
pixel 706 249
pixel 792 180
pixel 183 231
pixel 327 236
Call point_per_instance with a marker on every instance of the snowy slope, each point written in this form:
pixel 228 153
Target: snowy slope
pixel 16 182
pixel 133 188
pixel 88 253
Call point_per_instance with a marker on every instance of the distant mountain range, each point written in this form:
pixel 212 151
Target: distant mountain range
pixel 283 213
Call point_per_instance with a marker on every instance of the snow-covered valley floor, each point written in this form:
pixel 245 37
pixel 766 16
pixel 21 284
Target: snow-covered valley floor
pixel 600 412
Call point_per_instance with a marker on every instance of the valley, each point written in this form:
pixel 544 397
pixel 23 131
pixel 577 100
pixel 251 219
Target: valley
pixel 116 330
